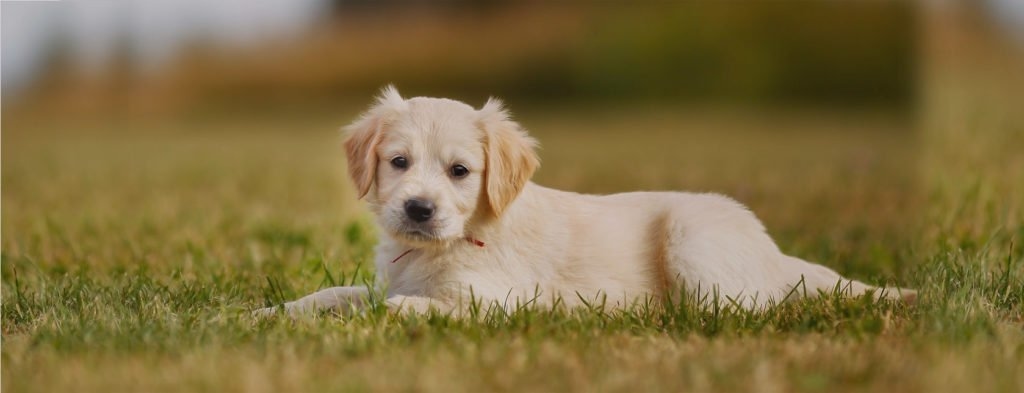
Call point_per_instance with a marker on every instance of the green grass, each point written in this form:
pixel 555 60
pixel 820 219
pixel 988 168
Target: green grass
pixel 131 257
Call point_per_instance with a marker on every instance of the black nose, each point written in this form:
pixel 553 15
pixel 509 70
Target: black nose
pixel 419 210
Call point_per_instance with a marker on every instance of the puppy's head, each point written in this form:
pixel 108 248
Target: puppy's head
pixel 430 166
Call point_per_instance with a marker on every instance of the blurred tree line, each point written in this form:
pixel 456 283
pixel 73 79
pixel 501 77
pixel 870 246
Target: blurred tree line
pixel 790 52
pixel 760 53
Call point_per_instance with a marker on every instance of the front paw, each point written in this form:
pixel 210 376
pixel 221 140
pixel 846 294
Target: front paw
pixel 287 309
pixel 264 312
pixel 408 305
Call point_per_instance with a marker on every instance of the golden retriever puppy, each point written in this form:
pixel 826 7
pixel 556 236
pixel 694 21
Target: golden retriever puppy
pixel 459 220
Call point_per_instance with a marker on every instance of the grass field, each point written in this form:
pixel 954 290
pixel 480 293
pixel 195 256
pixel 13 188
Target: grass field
pixel 132 253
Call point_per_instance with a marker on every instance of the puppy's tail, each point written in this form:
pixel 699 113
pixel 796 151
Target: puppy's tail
pixel 908 296
pixel 818 277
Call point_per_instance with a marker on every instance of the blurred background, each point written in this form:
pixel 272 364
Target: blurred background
pixel 185 56
pixel 164 123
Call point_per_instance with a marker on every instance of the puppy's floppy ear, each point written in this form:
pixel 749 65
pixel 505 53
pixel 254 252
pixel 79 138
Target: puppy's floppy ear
pixel 365 134
pixel 511 159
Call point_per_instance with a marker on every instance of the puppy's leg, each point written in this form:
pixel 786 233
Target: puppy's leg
pixel 418 305
pixel 715 245
pixel 338 298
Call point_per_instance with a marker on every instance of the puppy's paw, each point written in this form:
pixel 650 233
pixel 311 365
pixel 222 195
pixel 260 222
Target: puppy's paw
pixel 407 305
pixel 288 309
pixel 265 312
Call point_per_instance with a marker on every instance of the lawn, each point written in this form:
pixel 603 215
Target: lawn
pixel 133 250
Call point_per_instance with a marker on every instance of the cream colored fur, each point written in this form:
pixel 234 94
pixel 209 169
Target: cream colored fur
pixel 542 244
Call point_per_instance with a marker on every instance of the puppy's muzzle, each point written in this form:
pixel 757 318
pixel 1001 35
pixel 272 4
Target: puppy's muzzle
pixel 419 210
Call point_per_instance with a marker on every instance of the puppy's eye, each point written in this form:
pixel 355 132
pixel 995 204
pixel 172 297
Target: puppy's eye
pixel 400 162
pixel 459 171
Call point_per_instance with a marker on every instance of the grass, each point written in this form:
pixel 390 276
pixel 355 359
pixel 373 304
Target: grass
pixel 132 255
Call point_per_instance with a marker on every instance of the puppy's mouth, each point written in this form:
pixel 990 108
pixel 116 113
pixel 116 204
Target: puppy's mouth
pixel 431 233
pixel 416 234
pixel 419 234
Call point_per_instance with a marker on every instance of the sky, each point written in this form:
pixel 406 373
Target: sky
pixel 153 30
